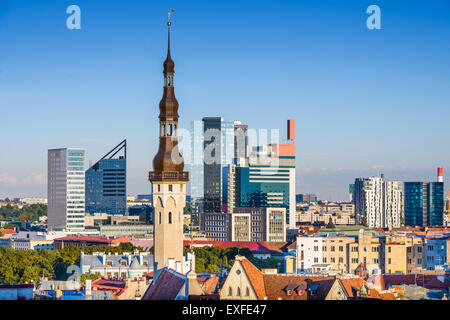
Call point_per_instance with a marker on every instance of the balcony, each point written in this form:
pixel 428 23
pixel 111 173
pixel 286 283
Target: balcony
pixel 172 176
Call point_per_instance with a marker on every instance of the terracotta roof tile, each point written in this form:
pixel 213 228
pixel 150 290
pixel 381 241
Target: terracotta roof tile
pixel 276 287
pixel 255 276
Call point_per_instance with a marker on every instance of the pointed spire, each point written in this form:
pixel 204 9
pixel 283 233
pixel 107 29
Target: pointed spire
pixel 169 65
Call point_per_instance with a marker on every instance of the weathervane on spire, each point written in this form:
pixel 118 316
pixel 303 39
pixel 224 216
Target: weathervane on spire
pixel 168 16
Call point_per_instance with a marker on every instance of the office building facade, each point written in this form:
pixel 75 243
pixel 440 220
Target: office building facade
pixel 424 203
pixel 106 183
pixel 66 189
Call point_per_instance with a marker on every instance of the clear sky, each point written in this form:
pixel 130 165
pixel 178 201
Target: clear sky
pixel 365 101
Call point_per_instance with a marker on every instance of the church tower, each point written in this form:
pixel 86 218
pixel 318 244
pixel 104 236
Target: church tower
pixel 168 179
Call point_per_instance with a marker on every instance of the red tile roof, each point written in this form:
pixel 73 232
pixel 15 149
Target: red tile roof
pixel 255 276
pixel 99 239
pixel 352 287
pixel 260 247
pixel 115 286
pixel 276 285
pixel 7 231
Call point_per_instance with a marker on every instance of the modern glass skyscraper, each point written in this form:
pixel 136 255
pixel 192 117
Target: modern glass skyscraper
pixel 214 147
pixel 424 203
pixel 66 189
pixel 106 183
pixel 270 185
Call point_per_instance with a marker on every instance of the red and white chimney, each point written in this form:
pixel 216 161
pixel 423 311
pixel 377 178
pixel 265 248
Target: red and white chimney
pixel 440 175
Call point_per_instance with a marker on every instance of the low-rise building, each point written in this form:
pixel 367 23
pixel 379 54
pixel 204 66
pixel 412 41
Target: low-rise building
pixel 127 265
pixel 80 241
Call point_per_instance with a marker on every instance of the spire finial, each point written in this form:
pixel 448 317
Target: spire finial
pixel 169 13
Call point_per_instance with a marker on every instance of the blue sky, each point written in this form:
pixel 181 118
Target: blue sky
pixel 365 101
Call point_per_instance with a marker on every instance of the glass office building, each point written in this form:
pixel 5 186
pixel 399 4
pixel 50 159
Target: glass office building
pixel 106 184
pixel 66 189
pixel 269 186
pixel 424 203
pixel 213 148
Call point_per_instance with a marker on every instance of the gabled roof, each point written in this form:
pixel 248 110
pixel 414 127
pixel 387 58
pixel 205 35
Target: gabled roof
pixel 254 275
pixel 166 287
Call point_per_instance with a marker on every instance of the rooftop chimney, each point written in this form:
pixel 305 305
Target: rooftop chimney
pixel 440 175
pixel 291 130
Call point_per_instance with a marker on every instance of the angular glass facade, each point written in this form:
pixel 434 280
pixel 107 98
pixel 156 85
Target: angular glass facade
pixel 415 204
pixel 424 203
pixel 436 203
pixel 106 187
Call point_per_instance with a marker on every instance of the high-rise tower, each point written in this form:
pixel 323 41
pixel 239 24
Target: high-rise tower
pixel 168 179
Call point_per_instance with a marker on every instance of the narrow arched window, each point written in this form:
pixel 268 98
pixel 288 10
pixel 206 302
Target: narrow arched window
pixel 247 292
pixel 230 291
pixel 239 291
pixel 170 217
pixel 160 215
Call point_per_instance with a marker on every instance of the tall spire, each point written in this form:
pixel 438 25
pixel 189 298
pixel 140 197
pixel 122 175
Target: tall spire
pixel 168 117
pixel 169 65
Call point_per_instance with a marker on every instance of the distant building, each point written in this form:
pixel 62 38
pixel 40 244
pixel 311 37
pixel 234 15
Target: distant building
pixel 216 226
pixel 351 192
pixel 378 202
pixel 309 198
pixel 424 203
pixel 31 244
pixel 66 189
pixel 258 224
pixel 80 241
pixel 106 183
pixel 127 265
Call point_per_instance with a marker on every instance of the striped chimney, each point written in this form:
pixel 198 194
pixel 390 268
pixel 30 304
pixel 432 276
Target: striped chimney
pixel 440 175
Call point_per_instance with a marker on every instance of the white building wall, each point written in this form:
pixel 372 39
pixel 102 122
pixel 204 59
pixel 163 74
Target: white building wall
pixel 311 247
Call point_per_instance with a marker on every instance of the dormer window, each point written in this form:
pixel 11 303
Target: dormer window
pixel 290 288
pixel 301 289
pixel 124 263
pixel 109 263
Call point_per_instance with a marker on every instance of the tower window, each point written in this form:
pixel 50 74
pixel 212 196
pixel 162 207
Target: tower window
pixel 170 187
pixel 159 188
pixel 170 217
pixel 160 218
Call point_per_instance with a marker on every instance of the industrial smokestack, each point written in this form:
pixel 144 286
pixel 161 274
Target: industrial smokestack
pixel 440 175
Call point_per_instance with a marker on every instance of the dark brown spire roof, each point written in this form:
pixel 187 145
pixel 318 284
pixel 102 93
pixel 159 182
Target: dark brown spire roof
pixel 164 166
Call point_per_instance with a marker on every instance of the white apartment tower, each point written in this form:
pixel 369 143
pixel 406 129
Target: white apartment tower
pixel 66 189
pixel 378 202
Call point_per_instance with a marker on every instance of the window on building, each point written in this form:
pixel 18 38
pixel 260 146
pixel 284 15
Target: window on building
pixel 160 218
pixel 170 217
pixel 230 291
pixel 170 188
